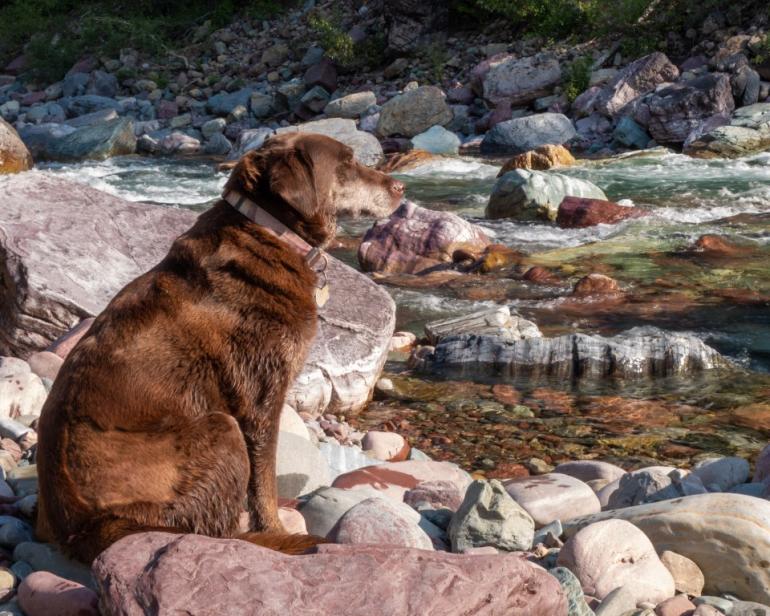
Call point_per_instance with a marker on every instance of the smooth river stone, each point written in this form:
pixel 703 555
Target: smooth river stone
pixel 196 575
pixel 721 474
pixel 323 508
pixel 42 594
pixel 553 496
pixel 614 553
pixel 590 470
pixel 382 522
pixel 394 479
pixel 726 535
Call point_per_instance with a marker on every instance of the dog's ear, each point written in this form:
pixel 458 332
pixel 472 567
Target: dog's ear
pixel 246 173
pixel 294 179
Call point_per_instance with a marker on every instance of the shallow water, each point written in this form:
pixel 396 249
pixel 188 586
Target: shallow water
pixel 724 301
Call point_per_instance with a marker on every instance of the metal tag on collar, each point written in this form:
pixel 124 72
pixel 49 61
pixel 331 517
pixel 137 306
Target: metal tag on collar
pixel 322 295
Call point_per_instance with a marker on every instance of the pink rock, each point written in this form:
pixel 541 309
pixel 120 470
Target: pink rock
pixel 393 479
pixel 436 495
pixel 383 445
pixel 612 554
pixel 42 594
pixel 553 496
pixel 416 239
pixel 676 606
pixel 383 522
pixel 66 342
pixel 196 575
pixel 45 364
pixel 578 212
pixel 590 470
pixel 292 521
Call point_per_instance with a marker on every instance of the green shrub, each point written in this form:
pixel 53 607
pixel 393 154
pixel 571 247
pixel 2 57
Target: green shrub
pixel 577 78
pixel 337 44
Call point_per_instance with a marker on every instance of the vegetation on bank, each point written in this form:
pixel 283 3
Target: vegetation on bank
pixel 55 33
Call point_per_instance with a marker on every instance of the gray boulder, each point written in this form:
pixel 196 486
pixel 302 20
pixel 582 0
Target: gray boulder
pixel 223 104
pixel 650 485
pixel 748 132
pixel 95 142
pixel 366 147
pixel 351 106
pixel 88 103
pixel 488 516
pixel 523 134
pixel 675 111
pixel 497 322
pixel 519 81
pixel 414 112
pixel 528 195
pixel 638 78
pixel 39 138
pixel 639 353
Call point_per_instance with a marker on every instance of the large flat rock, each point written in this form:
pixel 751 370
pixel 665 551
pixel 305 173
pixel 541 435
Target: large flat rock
pixel 170 574
pixel 66 249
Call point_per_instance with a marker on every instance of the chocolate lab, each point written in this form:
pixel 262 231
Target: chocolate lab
pixel 165 416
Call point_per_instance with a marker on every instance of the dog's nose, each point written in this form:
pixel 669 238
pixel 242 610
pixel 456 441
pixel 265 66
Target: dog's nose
pixel 398 187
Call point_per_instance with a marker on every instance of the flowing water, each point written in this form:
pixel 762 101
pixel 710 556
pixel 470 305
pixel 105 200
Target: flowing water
pixel 489 425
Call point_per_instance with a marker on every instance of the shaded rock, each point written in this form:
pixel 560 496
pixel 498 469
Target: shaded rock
pixel 762 465
pixel 414 112
pixel 517 81
pixel 322 74
pixel 576 213
pixel 614 553
pixel 350 106
pixel 540 159
pixel 523 134
pixel 491 322
pixel 379 580
pixel 721 474
pixel 620 602
pixel 677 110
pixel 299 466
pixel 95 142
pixel 675 606
pixel 688 578
pixel 383 522
pixel 488 516
pixel 47 557
pixel 437 140
pixel 726 535
pixel 224 103
pixel 44 217
pixel 394 479
pixel 630 134
pixel 14 155
pixel 649 485
pixel 553 497
pixel 325 506
pixel 416 239
pixel 527 195
pixel 641 352
pixel 366 148
pixel 315 99
pixel 638 78
pixel 42 593
pixel 576 601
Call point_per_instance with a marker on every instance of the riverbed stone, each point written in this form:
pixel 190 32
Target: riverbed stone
pixel 590 470
pixel 552 496
pixel 636 79
pixel 299 466
pixel 437 140
pixel 541 158
pixel 748 132
pixel 649 485
pixel 578 212
pixel 576 600
pixel 614 553
pixel 762 465
pixel 14 155
pixel 492 321
pixel 43 593
pixel 721 474
pixel 688 578
pixel 520 135
pixel 414 112
pixel 324 507
pixel 528 195
pixel 416 239
pixel 167 571
pixel 437 494
pixel 383 522
pixel 351 106
pixel 726 535
pixel 508 79
pixel 95 142
pixel 385 445
pixel 366 147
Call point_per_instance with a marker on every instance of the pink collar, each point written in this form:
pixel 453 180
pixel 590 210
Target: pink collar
pixel 275 227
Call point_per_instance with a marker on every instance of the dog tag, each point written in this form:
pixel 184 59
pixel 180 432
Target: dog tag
pixel 322 295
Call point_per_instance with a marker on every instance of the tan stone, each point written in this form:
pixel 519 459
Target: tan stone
pixel 14 155
pixel 540 159
pixel 688 578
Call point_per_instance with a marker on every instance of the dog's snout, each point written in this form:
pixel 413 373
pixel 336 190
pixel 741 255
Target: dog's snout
pixel 397 187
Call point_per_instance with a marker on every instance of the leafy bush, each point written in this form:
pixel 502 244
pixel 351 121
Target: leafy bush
pixel 337 44
pixel 577 78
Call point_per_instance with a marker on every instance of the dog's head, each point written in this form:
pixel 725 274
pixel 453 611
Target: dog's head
pixel 306 180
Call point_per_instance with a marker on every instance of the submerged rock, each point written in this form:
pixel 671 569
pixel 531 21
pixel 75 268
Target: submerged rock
pixel 577 212
pixel 642 352
pixel 528 195
pixel 416 239
pixel 187 573
pixel 493 322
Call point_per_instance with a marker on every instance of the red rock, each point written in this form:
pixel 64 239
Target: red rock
pixel 541 275
pixel 716 245
pixel 66 342
pixel 42 594
pixel 596 284
pixel 577 212
pixel 394 479
pixel 200 575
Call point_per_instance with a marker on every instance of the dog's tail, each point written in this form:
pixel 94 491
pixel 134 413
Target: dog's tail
pixel 283 542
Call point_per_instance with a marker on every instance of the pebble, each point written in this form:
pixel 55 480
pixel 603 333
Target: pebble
pixel 382 521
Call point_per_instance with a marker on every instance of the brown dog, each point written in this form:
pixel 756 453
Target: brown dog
pixel 165 415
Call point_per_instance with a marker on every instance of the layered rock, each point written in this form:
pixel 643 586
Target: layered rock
pixel 523 134
pixel 637 79
pixel 642 352
pixel 416 239
pixel 414 112
pixel 675 111
pixel 528 195
pixel 14 155
pixel 187 574
pixel 726 535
